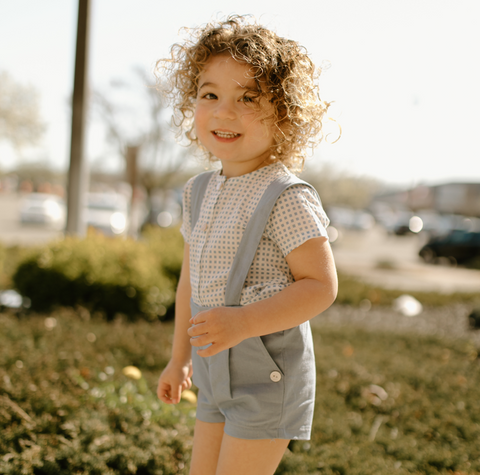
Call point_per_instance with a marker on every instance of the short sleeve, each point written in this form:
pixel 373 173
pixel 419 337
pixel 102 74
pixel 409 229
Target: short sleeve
pixel 186 228
pixel 297 216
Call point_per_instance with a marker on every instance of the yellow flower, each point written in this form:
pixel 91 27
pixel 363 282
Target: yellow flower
pixel 189 396
pixel 132 372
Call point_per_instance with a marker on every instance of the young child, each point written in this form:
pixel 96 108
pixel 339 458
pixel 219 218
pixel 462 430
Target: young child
pixel 257 264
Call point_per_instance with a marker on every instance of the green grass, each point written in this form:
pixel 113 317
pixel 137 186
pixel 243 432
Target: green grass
pixel 427 423
pixel 353 290
pixel 386 403
pixel 66 407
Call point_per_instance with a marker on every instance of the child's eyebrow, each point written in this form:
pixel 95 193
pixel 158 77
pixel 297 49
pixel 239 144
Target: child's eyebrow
pixel 205 84
pixel 239 86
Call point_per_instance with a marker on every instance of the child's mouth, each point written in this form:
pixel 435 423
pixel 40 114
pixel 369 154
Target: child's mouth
pixel 225 135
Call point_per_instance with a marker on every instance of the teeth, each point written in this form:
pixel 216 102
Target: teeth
pixel 226 135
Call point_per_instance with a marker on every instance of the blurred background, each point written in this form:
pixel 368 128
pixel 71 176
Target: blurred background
pixel 401 186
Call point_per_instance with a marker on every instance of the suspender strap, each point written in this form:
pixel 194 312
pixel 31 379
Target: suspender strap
pixel 198 191
pixel 252 236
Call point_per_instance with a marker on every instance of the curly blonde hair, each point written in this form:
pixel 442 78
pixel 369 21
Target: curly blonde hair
pixel 287 75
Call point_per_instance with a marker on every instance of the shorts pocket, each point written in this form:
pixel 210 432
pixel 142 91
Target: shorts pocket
pixel 253 371
pixel 218 368
pixel 257 386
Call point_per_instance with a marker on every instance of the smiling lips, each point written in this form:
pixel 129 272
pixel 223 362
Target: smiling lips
pixel 225 135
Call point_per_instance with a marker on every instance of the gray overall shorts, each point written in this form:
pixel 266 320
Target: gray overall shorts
pixel 264 387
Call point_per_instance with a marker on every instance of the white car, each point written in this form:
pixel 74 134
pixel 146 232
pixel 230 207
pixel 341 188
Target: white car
pixel 107 212
pixel 43 208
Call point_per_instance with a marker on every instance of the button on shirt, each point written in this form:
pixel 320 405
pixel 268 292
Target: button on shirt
pixel 226 209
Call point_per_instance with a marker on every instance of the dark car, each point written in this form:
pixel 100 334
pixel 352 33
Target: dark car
pixel 459 245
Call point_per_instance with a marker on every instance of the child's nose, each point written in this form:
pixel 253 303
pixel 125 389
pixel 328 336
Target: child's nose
pixel 224 110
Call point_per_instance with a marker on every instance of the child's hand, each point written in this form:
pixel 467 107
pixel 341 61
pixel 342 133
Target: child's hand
pixel 220 327
pixel 174 379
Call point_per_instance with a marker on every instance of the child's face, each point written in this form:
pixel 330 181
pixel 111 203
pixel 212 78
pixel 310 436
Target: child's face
pixel 227 123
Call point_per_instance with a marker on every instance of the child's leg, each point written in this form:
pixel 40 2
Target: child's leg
pixel 252 457
pixel 207 440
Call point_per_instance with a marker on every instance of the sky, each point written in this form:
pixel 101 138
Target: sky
pixel 404 74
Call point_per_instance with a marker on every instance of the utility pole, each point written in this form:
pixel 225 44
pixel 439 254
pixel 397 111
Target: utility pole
pixel 78 171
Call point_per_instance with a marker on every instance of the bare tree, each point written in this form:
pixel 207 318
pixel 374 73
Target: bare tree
pixel 20 122
pixel 339 187
pixel 141 124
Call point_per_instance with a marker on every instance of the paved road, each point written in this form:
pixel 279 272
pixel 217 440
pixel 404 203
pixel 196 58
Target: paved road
pixel 13 232
pixel 393 262
pixel 390 261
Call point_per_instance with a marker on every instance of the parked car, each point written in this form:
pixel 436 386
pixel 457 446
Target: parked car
pixel 460 245
pixel 44 209
pixel 343 217
pixel 108 213
pixel 428 222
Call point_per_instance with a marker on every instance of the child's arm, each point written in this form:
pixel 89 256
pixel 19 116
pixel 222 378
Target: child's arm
pixel 314 290
pixel 176 376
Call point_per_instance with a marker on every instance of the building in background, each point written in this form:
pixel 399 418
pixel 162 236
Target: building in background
pixel 447 198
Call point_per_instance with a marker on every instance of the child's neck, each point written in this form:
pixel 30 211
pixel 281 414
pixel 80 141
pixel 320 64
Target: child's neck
pixel 230 171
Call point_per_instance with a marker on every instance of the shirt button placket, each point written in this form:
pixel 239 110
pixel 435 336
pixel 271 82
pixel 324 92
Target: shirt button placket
pixel 210 202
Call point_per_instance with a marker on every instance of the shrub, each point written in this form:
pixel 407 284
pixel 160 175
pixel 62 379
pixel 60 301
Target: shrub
pixel 10 256
pixel 167 243
pixel 102 274
pixel 138 278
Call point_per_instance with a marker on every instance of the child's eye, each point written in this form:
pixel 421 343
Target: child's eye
pixel 209 96
pixel 247 99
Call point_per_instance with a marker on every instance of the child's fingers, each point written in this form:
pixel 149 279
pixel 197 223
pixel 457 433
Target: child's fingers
pixel 200 317
pixel 177 394
pixel 169 395
pixel 201 340
pixel 165 398
pixel 196 330
pixel 211 350
pixel 163 393
pixel 160 388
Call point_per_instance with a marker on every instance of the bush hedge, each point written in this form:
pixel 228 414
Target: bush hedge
pixel 104 275
pixel 138 278
pixel 10 257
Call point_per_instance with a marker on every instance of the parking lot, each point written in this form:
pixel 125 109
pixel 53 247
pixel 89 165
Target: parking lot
pixel 13 232
pixel 373 255
pixel 393 262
